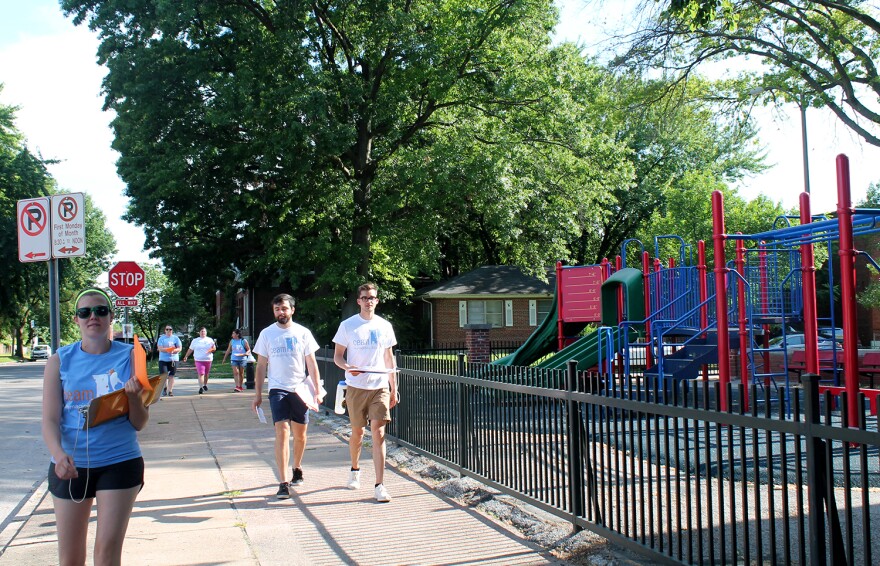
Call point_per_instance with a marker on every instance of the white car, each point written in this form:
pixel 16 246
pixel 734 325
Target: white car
pixel 798 342
pixel 41 352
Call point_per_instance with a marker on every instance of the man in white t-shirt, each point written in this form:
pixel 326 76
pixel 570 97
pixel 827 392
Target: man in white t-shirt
pixel 364 345
pixel 286 353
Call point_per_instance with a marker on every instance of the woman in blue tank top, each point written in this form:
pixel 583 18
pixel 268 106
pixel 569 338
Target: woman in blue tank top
pixel 102 463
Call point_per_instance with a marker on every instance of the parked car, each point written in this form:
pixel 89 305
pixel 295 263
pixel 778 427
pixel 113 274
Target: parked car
pixel 830 333
pixel 798 342
pixel 41 352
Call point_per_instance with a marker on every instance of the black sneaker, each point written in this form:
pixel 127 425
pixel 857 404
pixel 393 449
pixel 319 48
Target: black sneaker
pixel 202 390
pixel 297 477
pixel 283 490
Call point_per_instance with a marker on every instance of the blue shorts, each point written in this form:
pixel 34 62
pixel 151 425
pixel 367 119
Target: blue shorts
pixel 122 475
pixel 238 363
pixel 287 406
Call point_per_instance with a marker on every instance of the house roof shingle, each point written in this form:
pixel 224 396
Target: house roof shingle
pixel 496 280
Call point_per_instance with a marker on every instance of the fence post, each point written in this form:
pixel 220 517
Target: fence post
pixel 575 455
pixel 815 470
pixel 462 418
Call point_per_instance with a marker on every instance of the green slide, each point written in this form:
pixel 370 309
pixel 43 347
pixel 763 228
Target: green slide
pixel 585 350
pixel 542 341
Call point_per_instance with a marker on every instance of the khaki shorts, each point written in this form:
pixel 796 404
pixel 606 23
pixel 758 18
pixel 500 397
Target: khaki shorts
pixel 363 404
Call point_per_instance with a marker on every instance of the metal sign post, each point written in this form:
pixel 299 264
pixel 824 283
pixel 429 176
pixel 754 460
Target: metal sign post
pixel 54 308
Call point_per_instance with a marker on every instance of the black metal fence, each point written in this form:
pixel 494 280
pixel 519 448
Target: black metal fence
pixel 665 473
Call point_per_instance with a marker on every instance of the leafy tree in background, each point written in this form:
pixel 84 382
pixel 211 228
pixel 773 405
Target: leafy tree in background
pixel 315 145
pixel 680 147
pixel 688 213
pixel 24 287
pixel 817 53
pixel 870 297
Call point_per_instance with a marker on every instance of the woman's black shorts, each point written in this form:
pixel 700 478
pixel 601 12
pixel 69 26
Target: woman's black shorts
pixel 122 475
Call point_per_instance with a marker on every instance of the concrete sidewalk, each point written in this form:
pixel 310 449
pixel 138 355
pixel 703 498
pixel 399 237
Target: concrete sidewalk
pixel 210 498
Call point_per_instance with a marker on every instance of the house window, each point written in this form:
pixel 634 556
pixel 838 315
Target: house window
pixel 538 310
pixel 481 312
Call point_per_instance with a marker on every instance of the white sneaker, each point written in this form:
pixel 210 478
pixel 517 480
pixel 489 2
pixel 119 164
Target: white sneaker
pixel 382 494
pixel 354 479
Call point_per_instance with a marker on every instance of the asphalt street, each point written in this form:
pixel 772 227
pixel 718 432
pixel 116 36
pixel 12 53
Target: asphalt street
pixel 23 456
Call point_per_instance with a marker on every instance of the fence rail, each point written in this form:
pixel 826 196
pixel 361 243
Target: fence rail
pixel 664 473
pixel 497 348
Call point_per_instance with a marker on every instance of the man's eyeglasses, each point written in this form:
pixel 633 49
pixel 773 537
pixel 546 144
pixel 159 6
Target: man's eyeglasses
pixel 168 329
pixel 86 312
pixel 369 299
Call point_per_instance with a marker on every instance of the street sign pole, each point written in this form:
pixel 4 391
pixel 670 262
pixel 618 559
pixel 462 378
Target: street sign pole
pixel 54 310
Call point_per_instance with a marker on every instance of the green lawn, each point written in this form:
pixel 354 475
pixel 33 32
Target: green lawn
pixel 187 370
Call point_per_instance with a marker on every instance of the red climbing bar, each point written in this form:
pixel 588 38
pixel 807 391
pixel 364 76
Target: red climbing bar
pixel 848 288
pixel 719 236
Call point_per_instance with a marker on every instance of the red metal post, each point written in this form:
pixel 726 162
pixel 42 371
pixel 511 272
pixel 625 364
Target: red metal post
pixel 808 283
pixel 718 238
pixel 765 306
pixel 560 333
pixel 848 288
pixel 646 271
pixel 743 318
pixel 618 265
pixel 704 294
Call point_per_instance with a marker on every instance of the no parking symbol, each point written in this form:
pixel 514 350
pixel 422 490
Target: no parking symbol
pixel 34 237
pixel 68 226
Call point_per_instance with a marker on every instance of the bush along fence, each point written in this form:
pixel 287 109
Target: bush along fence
pixel 661 472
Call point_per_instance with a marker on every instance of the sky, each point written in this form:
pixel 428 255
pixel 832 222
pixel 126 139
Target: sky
pixel 49 70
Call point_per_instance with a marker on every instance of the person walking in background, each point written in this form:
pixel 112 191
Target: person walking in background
pixel 104 462
pixel 202 349
pixel 169 347
pixel 286 353
pixel 364 345
pixel 239 349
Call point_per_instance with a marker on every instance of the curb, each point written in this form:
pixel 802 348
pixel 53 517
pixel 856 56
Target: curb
pixel 22 513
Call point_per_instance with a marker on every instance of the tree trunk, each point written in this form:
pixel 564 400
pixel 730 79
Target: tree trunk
pixel 17 344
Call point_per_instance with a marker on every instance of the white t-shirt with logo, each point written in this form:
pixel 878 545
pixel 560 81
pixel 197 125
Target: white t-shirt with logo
pixel 365 343
pixel 286 350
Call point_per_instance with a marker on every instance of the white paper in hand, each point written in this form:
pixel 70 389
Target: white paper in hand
pixel 261 415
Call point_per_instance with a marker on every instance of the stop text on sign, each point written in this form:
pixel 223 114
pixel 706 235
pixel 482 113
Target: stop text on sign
pixel 126 279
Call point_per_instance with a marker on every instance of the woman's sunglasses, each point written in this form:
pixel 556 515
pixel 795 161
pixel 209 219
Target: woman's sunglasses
pixel 86 312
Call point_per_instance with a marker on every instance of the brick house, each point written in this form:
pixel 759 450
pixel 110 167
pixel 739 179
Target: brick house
pixel 501 296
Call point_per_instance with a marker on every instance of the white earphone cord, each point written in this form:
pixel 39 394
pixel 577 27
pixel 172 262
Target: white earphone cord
pixel 82 411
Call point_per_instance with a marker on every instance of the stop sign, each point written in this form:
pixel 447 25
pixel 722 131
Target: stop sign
pixel 126 279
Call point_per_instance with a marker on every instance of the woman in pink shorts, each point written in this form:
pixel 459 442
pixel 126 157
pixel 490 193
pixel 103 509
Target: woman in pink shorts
pixel 202 349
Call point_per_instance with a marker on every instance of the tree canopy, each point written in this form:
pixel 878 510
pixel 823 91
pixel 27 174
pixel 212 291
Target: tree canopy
pixel 319 144
pixel 817 53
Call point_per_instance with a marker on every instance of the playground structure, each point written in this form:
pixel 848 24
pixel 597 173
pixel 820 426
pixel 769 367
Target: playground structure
pixel 668 313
